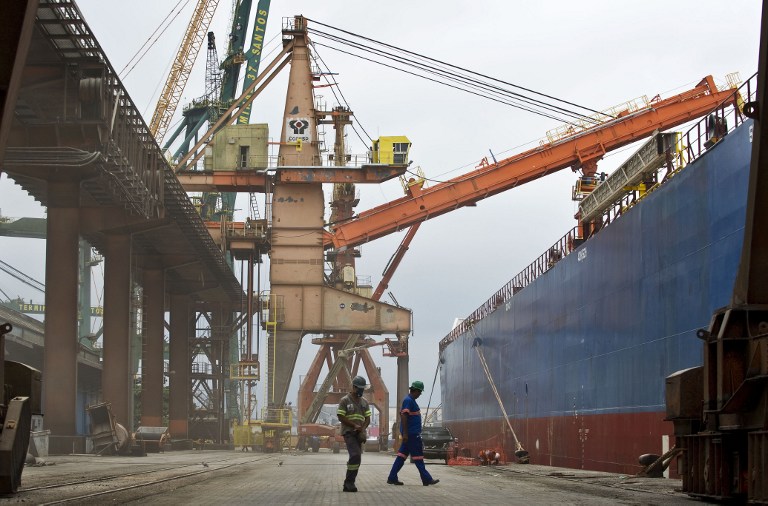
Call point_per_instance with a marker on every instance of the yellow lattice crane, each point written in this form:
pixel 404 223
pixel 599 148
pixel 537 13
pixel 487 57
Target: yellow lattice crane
pixel 182 66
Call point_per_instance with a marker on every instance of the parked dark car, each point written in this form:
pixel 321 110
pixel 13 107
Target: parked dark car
pixel 439 443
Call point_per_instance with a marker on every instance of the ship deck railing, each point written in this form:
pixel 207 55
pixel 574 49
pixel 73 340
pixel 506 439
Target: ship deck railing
pixel 702 136
pixel 564 246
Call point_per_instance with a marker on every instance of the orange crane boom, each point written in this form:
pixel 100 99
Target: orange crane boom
pixel 581 150
pixel 182 67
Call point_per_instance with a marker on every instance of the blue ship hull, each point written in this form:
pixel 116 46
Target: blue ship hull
pixel 581 354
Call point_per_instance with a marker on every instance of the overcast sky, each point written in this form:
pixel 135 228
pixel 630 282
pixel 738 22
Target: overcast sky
pixel 593 53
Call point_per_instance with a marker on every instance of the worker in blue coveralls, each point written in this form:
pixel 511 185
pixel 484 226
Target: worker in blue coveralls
pixel 410 429
pixel 355 415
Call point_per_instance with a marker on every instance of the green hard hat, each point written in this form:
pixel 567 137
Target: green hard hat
pixel 359 382
pixel 417 385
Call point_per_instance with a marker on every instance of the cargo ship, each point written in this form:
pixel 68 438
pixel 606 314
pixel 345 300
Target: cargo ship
pixel 578 345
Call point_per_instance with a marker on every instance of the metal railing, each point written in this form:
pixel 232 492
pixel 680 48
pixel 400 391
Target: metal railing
pixel 277 416
pixel 707 132
pixel 564 246
pixel 579 125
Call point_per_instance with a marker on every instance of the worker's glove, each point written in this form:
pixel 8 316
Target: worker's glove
pixel 362 437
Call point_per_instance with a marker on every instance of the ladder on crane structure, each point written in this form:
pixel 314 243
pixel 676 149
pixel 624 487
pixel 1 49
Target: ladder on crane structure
pixel 273 312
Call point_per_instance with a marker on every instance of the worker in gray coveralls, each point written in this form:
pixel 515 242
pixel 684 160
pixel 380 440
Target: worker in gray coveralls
pixel 355 415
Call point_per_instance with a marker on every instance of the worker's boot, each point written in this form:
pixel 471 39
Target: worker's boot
pixel 426 478
pixel 397 465
pixel 349 481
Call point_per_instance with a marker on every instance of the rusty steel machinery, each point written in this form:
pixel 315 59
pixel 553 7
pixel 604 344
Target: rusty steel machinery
pixel 152 439
pixel 720 410
pixel 21 397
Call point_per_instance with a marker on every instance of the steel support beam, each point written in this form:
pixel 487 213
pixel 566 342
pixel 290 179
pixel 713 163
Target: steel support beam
pixel 221 333
pixel 378 395
pixel 403 381
pixel 282 353
pixel 61 273
pixel 224 181
pixel 179 367
pixel 117 375
pixel 751 287
pixel 152 350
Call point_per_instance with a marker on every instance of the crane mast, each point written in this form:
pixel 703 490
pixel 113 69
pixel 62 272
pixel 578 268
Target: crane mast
pixel 182 67
pixel 212 74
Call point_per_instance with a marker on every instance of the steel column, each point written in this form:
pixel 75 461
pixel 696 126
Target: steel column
pixel 403 381
pixel 378 396
pixel 117 376
pixel 751 287
pixel 152 352
pixel 402 391
pixel 283 349
pixel 179 367
pixel 221 320
pixel 61 346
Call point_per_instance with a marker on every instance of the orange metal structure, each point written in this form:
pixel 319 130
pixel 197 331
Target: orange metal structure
pixel 581 150
pixel 256 180
pixel 298 238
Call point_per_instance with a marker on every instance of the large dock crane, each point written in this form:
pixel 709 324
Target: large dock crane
pixel 579 150
pixel 182 67
pixel 222 81
pixel 300 300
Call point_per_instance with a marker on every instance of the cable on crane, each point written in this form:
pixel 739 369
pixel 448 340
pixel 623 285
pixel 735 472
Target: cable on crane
pixel 446 74
pixel 450 74
pixel 334 87
pixel 460 68
pixel 434 381
pixel 123 76
pixel 484 90
pixel 27 280
pixel 527 109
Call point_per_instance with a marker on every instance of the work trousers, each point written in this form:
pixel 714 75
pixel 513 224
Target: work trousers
pixel 355 456
pixel 415 448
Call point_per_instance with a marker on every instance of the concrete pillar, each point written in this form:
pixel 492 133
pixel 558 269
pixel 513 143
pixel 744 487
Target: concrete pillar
pixel 61 346
pixel 117 377
pixel 152 349
pixel 179 367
